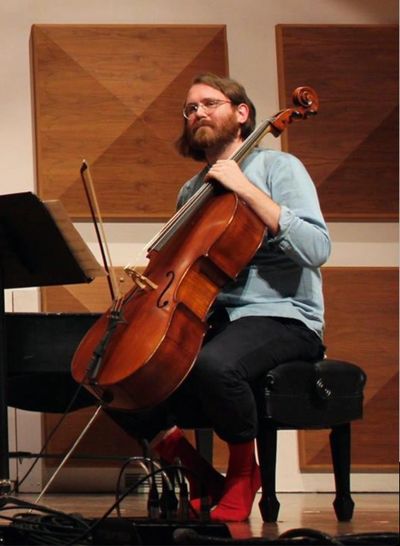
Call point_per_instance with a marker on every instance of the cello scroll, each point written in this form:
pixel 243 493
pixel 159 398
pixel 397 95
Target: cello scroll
pixel 306 104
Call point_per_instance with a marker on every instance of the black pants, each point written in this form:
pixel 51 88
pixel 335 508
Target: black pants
pixel 220 387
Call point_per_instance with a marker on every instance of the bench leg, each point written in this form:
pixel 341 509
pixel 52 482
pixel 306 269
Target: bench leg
pixel 340 440
pixel 266 447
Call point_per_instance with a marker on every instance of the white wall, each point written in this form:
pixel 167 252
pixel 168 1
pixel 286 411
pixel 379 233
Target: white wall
pixel 252 60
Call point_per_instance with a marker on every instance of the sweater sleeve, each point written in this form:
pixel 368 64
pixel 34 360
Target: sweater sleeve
pixel 303 235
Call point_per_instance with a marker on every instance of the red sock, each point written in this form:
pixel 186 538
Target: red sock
pixel 241 484
pixel 201 472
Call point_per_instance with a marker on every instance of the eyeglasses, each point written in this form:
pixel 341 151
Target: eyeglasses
pixel 207 104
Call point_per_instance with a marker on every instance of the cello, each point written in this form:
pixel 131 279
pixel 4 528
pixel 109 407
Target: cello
pixel 142 348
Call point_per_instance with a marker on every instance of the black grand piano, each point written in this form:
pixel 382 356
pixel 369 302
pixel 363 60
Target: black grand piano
pixel 39 351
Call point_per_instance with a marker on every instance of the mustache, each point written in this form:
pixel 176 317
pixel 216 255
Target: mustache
pixel 202 123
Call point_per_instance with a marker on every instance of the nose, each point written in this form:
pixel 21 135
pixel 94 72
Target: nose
pixel 201 111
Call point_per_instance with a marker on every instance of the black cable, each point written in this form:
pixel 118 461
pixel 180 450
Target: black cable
pixel 153 501
pixel 184 504
pixel 123 496
pixel 113 506
pixel 136 458
pixel 12 503
pixel 307 533
pixel 205 506
pixel 47 529
pixel 168 501
pixel 54 527
pixel 367 539
pixel 298 536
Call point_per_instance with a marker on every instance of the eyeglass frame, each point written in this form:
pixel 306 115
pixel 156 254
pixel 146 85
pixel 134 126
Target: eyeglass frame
pixel 213 104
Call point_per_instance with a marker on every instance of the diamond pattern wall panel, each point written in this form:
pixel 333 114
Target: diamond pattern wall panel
pixel 113 94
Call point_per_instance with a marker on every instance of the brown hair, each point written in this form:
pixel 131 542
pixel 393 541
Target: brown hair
pixel 236 93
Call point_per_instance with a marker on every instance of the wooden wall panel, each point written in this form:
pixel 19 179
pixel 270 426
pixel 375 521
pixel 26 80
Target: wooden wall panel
pixel 83 298
pixel 351 147
pixel 104 445
pixel 113 95
pixel 362 327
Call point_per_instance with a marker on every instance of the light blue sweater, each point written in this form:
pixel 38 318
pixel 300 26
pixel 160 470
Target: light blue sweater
pixel 283 279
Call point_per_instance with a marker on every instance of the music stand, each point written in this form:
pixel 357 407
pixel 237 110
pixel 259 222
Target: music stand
pixel 38 247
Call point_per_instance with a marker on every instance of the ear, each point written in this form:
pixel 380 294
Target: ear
pixel 242 112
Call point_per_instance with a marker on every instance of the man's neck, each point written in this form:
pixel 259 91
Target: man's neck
pixel 223 152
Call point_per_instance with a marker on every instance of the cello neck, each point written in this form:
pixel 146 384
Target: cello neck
pixel 206 190
pixel 306 104
pixel 251 141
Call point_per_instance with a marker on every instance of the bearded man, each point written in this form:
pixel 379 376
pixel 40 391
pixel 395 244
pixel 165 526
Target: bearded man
pixel 271 313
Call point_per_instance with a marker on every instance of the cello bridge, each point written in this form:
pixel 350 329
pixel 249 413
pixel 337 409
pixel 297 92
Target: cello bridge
pixel 142 282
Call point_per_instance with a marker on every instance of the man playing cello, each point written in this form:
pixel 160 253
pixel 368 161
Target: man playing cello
pixel 272 313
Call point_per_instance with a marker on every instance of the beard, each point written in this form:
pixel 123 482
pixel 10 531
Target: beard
pixel 206 135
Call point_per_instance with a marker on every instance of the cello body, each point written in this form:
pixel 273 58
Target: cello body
pixel 161 330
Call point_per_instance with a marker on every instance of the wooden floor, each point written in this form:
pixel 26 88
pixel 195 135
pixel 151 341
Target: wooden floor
pixel 377 513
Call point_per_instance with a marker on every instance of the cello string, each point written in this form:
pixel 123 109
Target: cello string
pixel 177 216
pixel 206 189
pixel 178 219
pixel 173 223
pixel 182 215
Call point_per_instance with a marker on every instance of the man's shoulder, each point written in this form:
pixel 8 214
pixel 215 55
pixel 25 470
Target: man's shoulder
pixel 268 158
pixel 270 154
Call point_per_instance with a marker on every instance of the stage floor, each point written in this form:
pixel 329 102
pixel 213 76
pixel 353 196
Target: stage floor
pixel 377 513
